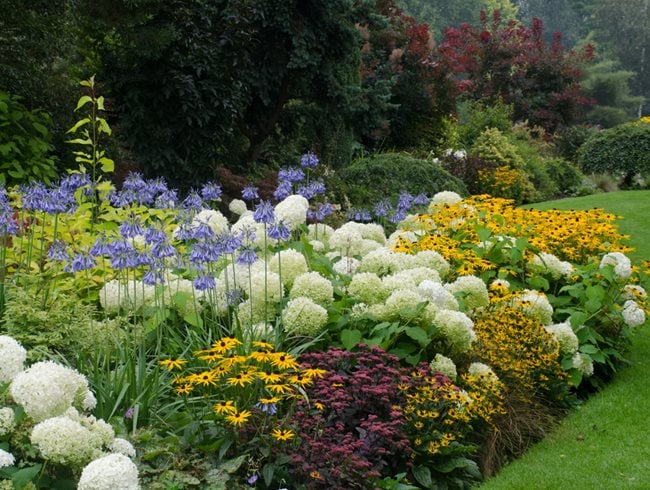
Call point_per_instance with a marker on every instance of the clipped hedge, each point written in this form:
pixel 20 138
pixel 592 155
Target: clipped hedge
pixel 624 149
pixel 370 179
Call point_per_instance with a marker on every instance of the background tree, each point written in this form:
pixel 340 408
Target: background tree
pixel 200 82
pixel 513 62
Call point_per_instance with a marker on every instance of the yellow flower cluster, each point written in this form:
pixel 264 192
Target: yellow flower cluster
pixel 570 235
pixel 520 350
pixel 242 384
pixel 504 182
pixel 487 396
pixel 438 412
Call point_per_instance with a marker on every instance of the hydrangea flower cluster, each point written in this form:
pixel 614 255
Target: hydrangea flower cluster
pixel 13 358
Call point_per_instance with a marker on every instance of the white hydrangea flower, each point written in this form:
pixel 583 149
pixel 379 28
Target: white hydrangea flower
pixel 13 357
pixel 436 294
pixel 263 287
pixel 292 211
pixel 400 299
pixel 548 263
pixel 583 363
pixel 634 291
pixel 250 228
pixel 346 265
pixel 442 198
pixel 472 290
pixel 481 370
pixel 237 206
pixel 303 317
pixel 62 440
pixel 379 261
pixel 7 421
pixel 313 285
pixel 115 295
pixel 432 259
pixel 358 311
pixel 535 305
pixel 566 337
pixel 112 472
pixel 374 232
pixel 395 282
pixel 401 236
pixel 633 314
pixel 251 313
pixel 457 328
pixel 102 432
pixel 367 287
pixel 122 446
pixel 289 264
pixel 319 232
pixel 401 261
pixel 622 264
pixel 444 365
pixel 317 245
pixel 6 459
pixel 347 240
pixel 48 389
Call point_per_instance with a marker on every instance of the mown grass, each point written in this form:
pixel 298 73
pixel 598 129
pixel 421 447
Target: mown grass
pixel 605 443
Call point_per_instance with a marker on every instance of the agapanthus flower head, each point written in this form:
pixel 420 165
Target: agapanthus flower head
pixel 323 211
pixel 359 215
pixel 250 192
pixel 80 262
pixel 135 182
pixel 421 199
pixel 317 187
pixel 247 255
pixel 58 251
pixel 397 216
pixel 283 190
pixel 309 160
pixel 155 275
pixel 211 191
pixel 122 254
pixel 110 473
pixel 291 174
pixel 71 182
pixel 382 208
pixel 279 231
pixel 264 213
pixel 131 227
pixel 405 201
pixel 166 200
pixel 13 357
pixel 305 191
pixel 204 281
pixel 193 201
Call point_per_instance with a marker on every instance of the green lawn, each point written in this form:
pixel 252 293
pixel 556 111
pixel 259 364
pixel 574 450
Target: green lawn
pixel 605 444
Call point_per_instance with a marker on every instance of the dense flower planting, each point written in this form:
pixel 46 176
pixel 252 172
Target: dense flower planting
pixel 256 345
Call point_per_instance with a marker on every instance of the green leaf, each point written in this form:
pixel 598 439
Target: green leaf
pixel 78 124
pixel 194 319
pixel 538 282
pixel 80 141
pixel 422 475
pixel 595 292
pixel 350 338
pixel 233 465
pixel 104 127
pixel 107 164
pixel 100 103
pixel 25 475
pixel 83 101
pixel 588 349
pixel 419 335
pixel 267 474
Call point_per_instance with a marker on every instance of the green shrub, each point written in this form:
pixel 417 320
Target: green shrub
pixel 623 150
pixel 566 175
pixel 492 145
pixel 370 179
pixel 24 143
pixel 569 140
pixel 477 116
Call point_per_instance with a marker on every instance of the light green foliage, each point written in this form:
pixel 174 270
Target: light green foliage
pixel 623 150
pixel 477 116
pixel 371 179
pixel 492 145
pixel 25 143
pixel 63 325
pixel 88 132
